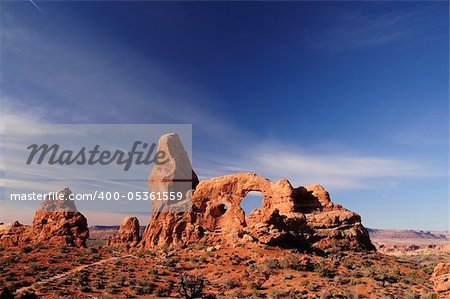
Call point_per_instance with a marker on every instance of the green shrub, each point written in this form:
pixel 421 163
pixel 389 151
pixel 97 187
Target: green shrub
pixel 120 280
pixel 324 270
pixel 292 261
pixel 161 292
pixel 273 264
pixel 85 289
pixel 230 283
pixel 99 284
pixel 191 286
pixel 26 249
pixel 145 286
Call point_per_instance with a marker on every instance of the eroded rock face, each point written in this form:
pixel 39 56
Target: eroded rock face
pixel 55 222
pixel 441 278
pixel 302 217
pixel 128 234
pixel 174 175
pixel 60 222
pixel 14 234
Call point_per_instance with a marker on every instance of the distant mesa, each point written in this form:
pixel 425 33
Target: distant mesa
pixel 405 234
pixel 55 222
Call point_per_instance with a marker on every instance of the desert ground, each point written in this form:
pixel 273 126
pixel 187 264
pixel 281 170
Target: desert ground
pixel 102 271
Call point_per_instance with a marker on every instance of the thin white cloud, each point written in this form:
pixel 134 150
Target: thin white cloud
pixel 72 80
pixel 13 114
pixel 35 5
pixel 300 167
pixel 392 185
pixel 355 30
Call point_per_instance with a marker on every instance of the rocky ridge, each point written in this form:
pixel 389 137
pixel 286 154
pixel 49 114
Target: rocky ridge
pixel 302 217
pixel 55 222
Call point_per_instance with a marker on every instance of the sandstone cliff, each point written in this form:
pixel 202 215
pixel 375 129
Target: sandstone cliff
pixel 302 217
pixel 55 222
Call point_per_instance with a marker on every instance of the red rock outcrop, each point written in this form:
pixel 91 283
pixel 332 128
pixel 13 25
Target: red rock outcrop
pixel 14 233
pixel 175 175
pixel 55 222
pixel 302 217
pixel 128 234
pixel 59 221
pixel 441 278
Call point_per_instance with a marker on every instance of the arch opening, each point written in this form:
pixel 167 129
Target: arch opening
pixel 251 201
pixel 219 210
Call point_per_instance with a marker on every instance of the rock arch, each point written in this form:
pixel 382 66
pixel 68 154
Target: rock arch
pixel 294 217
pixel 230 190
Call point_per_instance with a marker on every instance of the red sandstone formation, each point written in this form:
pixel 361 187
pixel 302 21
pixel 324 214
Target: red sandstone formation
pixel 175 175
pixel 128 233
pixel 55 222
pixel 302 217
pixel 441 278
pixel 13 234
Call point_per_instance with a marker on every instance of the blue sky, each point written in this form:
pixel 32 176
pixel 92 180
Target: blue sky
pixel 351 95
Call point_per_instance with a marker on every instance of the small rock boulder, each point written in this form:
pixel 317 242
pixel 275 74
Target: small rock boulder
pixel 129 233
